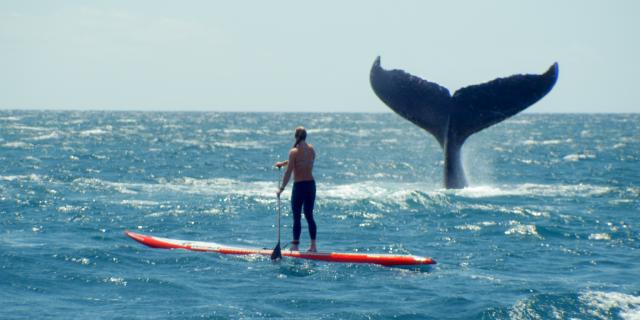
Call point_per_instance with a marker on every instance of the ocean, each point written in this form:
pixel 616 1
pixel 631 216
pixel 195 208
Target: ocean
pixel 549 227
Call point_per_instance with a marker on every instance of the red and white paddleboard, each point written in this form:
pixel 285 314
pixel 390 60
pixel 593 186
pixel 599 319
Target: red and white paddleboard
pixel 381 259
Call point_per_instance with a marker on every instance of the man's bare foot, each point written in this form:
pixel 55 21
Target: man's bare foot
pixel 294 246
pixel 313 247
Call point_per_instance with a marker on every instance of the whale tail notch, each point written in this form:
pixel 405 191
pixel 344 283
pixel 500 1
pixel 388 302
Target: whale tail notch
pixel 451 119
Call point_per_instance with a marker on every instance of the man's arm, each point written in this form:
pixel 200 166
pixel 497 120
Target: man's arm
pixel 287 174
pixel 281 164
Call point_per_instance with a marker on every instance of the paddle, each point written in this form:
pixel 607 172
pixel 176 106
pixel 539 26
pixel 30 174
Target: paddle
pixel 277 253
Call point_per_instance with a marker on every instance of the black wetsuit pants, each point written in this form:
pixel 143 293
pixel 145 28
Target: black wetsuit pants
pixel 303 196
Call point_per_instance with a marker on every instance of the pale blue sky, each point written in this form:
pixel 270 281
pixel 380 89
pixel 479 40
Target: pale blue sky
pixel 307 56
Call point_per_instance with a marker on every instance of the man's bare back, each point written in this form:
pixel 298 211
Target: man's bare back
pixel 301 159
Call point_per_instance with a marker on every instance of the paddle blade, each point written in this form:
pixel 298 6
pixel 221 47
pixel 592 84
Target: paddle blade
pixel 276 254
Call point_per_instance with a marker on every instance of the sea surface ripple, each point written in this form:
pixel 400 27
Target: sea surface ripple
pixel 548 229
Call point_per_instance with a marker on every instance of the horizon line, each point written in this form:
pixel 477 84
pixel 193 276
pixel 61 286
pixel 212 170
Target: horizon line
pixel 202 110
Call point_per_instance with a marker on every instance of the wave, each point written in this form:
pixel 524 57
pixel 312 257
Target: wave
pixel 118 281
pixel 546 142
pixel 52 135
pixel 242 145
pixel 376 193
pixel 140 203
pixel 366 190
pixel 127 120
pixel 518 228
pixel 69 208
pixel 470 227
pixel 236 131
pixel 584 305
pixel 29 177
pixel 10 118
pixel 360 133
pixel 532 189
pixel 120 187
pixel 575 157
pixel 518 121
pixel 599 236
pixel 474 227
pixel 603 304
pixel 27 128
pixel 96 131
pixel 18 145
pixel 189 143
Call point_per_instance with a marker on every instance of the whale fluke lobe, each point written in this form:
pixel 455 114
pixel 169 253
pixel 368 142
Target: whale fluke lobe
pixel 452 119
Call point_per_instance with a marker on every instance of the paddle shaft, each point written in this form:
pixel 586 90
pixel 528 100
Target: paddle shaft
pixel 276 254
pixel 279 206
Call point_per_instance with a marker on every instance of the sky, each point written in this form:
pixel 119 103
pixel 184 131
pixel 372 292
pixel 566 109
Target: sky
pixel 308 56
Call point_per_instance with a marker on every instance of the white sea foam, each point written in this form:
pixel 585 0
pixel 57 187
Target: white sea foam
pixel 171 126
pixel 259 189
pixel 213 211
pixel 236 131
pixel 599 236
pixel 470 227
pixel 10 178
pixel 370 190
pixel 186 185
pixel 242 144
pixel 29 177
pixel 120 187
pixel 188 142
pixel 522 229
pixel 74 122
pixel 389 141
pixel 219 186
pixel 140 203
pixel 577 157
pixel 83 261
pixel 342 132
pixel 17 145
pixel 355 191
pixel 380 194
pixel 127 120
pixel 392 131
pixel 546 142
pixel 52 135
pixel 602 304
pixel 116 280
pixel 26 128
pixel 69 208
pixel 318 130
pixel 10 118
pixel 509 210
pixel 483 192
pixel 96 131
pixel 578 190
pixel 528 161
pixel 132 130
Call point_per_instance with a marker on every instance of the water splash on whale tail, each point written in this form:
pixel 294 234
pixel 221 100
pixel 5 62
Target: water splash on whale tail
pixel 451 119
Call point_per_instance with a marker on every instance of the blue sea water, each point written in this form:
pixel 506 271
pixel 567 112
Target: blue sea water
pixel 548 229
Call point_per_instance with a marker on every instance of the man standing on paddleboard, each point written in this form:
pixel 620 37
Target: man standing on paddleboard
pixel 303 195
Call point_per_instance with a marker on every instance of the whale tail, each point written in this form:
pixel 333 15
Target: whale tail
pixel 451 119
